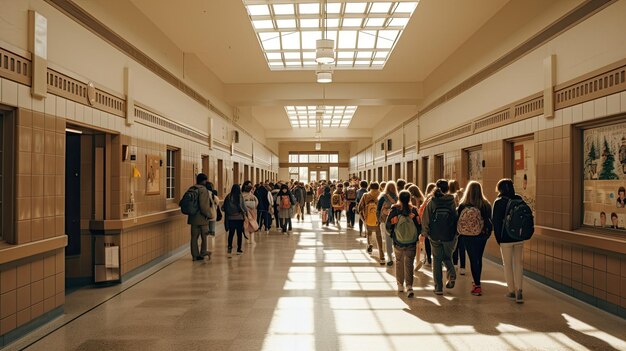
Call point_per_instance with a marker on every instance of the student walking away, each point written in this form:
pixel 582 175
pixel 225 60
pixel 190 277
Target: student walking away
pixel 474 228
pixel 351 195
pixel 324 205
pixel 264 207
pixel 235 213
pixel 429 192
pixel 367 208
pixel 359 195
pixel 439 224
pixel 338 203
pixel 512 223
pixel 403 224
pixel 417 199
pixel 274 193
pixel 286 202
pixel 251 202
pixel 196 204
pixel 300 195
pixel 459 253
pixel 308 198
pixel 387 199
pixel 400 184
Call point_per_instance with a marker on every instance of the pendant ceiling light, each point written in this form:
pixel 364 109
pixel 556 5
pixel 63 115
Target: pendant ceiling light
pixel 325 53
pixel 324 74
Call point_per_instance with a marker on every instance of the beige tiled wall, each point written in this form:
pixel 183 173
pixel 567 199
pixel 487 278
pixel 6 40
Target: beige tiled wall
pixel 40 176
pixel 31 288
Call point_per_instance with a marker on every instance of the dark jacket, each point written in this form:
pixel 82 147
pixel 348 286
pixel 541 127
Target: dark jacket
pixel 442 200
pixel 264 202
pixel 390 225
pixel 485 213
pixel 300 195
pixel 232 211
pixel 360 193
pixel 381 202
pixel 324 200
pixel 499 212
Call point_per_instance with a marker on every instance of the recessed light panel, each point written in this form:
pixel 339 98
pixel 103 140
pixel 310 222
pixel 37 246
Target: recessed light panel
pixel 330 116
pixel 356 26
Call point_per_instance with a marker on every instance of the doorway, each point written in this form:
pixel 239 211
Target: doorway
pixel 398 171
pixel 389 174
pixel 424 168
pixel 246 172
pixel 409 172
pixel 72 193
pixel 236 173
pixel 313 176
pixel 380 174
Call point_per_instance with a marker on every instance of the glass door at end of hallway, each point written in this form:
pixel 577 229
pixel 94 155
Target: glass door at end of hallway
pixel 317 175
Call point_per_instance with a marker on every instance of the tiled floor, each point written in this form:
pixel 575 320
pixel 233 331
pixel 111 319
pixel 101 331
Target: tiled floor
pixel 318 290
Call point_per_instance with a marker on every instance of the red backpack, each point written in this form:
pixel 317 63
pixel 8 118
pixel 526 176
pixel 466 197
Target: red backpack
pixel 351 194
pixel 285 202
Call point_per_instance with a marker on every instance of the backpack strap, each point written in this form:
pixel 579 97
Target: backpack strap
pixel 389 198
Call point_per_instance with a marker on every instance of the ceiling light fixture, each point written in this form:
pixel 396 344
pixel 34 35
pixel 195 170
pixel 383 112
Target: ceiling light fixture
pixel 325 53
pixel 324 74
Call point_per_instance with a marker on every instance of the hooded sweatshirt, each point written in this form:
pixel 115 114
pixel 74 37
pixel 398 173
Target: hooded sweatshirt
pixel 442 200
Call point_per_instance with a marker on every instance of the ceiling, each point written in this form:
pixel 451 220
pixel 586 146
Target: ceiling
pixel 220 34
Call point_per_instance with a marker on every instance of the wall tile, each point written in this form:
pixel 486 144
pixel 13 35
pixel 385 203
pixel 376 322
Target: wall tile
pixel 24 99
pixel 613 104
pixel 50 105
pixel 61 107
pixel 9 92
pixel 599 107
pixel 36 292
pixel 588 111
pixel 8 302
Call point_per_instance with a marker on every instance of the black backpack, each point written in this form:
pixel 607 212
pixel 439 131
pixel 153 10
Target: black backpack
pixel 443 220
pixel 519 223
pixel 189 202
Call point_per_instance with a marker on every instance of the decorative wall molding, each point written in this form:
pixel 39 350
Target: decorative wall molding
pixel 15 67
pixel 144 116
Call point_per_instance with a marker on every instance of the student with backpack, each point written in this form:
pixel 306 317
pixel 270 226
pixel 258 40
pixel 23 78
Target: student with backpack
pixel 308 197
pixel 387 199
pixel 439 222
pixel 324 205
pixel 300 194
pixel 403 224
pixel 215 206
pixel 196 204
pixel 513 223
pixel 264 208
pixel 359 196
pixel 367 208
pixel 339 203
pixel 274 192
pixel 351 195
pixel 235 213
pixel 474 227
pixel 286 201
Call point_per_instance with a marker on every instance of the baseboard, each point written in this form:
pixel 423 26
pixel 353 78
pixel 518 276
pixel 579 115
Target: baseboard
pixel 27 328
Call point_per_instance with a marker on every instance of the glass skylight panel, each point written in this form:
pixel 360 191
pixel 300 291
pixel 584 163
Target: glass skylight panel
pixel 362 30
pixel 331 116
pixel 308 9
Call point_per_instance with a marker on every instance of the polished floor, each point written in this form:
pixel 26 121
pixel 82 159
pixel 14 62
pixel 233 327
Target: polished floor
pixel 318 289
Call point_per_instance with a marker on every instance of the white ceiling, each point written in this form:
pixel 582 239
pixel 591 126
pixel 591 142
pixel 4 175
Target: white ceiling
pixel 221 35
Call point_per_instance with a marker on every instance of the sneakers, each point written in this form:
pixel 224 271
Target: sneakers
pixel 198 258
pixel 462 271
pixel 382 261
pixel 230 253
pixel 438 292
pixel 510 296
pixel 239 252
pixel 451 282
pixel 410 293
pixel 477 291
pixel 389 263
pixel 369 249
pixel 400 287
pixel 519 298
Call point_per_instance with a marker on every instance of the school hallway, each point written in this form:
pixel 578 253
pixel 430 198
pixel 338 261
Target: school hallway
pixel 316 289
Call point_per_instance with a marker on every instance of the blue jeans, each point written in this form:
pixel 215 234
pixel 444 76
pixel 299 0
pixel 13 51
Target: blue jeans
pixel 442 253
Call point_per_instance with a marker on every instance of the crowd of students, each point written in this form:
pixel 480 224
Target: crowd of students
pixel 445 222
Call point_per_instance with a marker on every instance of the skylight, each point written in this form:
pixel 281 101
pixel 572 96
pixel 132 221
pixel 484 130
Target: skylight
pixel 365 32
pixel 331 116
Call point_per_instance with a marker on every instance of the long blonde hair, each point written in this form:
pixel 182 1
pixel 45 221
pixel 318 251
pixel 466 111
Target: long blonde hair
pixel 474 196
pixel 416 194
pixel 390 188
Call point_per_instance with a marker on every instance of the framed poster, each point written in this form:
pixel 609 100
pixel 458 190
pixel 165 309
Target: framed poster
pixel 604 176
pixel 153 175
